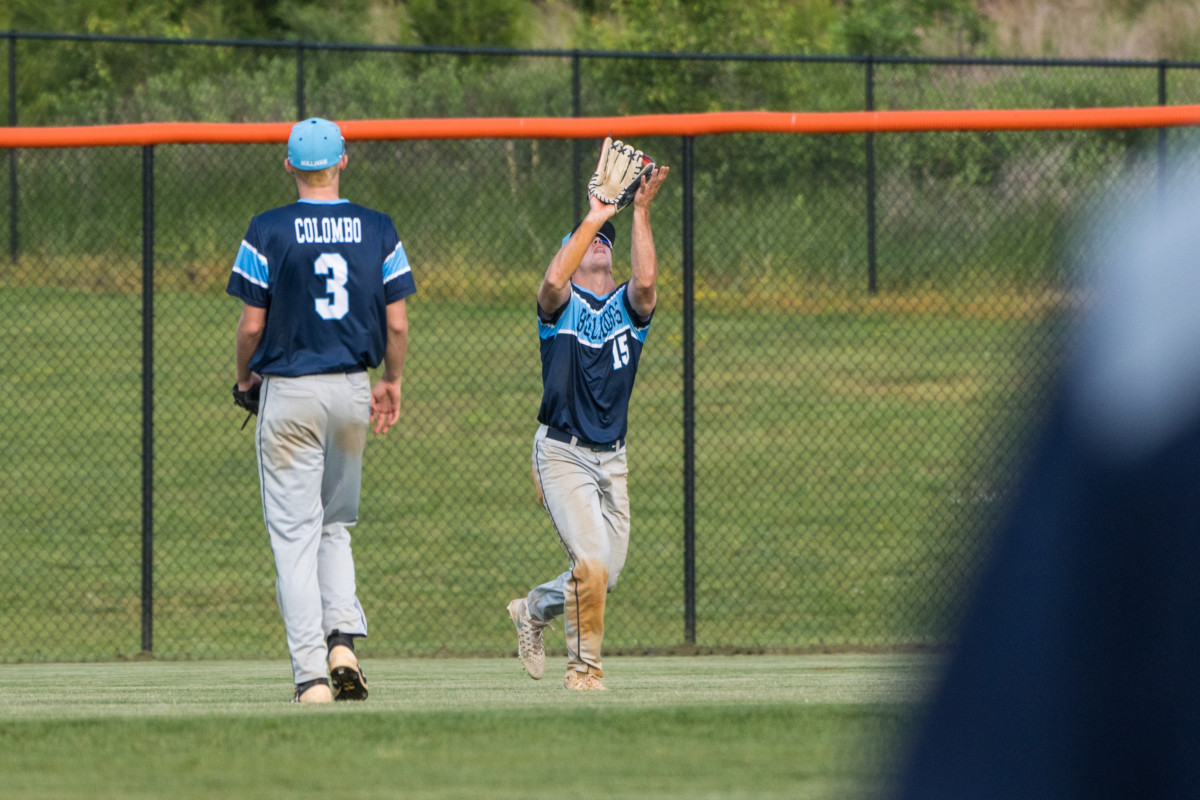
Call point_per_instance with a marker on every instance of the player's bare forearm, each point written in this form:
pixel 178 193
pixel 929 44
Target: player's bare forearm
pixel 385 394
pixel 556 285
pixel 249 334
pixel 643 294
pixel 397 341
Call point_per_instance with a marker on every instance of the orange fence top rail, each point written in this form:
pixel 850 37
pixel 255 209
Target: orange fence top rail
pixel 155 133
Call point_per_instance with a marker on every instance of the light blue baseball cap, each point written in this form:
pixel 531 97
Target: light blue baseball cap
pixel 315 144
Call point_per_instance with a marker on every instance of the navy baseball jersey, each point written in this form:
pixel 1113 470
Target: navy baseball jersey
pixel 590 352
pixel 325 271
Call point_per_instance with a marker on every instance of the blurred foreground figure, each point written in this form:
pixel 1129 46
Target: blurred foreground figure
pixel 1077 670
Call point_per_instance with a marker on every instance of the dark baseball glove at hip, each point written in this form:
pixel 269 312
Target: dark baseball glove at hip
pixel 247 399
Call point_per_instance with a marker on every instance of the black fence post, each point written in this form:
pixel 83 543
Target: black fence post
pixel 576 145
pixel 300 81
pixel 689 398
pixel 872 285
pixel 148 399
pixel 12 154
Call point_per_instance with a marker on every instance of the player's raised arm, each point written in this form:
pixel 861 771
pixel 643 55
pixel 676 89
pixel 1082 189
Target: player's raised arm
pixel 643 294
pixel 556 285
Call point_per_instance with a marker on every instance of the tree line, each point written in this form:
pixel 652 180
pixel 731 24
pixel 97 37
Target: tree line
pixel 880 27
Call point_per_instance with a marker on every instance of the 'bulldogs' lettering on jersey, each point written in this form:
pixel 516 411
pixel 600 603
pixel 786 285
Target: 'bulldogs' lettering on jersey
pixel 590 353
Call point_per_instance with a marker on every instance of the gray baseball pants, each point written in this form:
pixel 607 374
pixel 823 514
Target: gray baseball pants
pixel 311 434
pixel 585 493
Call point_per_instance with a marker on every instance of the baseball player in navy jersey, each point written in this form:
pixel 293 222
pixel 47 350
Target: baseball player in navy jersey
pixel 591 332
pixel 323 284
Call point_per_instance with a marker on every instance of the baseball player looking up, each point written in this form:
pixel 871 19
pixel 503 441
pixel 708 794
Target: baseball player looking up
pixel 323 284
pixel 592 332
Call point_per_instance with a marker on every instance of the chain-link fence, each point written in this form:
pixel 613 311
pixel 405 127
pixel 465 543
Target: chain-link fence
pixel 825 422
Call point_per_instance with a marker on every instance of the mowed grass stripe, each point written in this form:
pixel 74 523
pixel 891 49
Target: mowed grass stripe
pixel 739 726
pixel 221 688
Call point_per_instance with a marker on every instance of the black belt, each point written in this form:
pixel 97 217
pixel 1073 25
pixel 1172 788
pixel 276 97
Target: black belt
pixel 559 435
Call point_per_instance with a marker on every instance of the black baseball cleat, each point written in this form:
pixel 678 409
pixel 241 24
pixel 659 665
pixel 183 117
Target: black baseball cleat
pixel 315 691
pixel 345 677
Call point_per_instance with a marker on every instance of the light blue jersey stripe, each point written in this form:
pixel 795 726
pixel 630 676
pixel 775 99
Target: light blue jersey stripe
pixel 396 264
pixel 251 265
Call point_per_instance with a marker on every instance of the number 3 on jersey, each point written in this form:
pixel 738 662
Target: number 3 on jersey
pixel 620 351
pixel 335 306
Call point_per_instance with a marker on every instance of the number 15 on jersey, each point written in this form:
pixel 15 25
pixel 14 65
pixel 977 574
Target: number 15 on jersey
pixel 620 351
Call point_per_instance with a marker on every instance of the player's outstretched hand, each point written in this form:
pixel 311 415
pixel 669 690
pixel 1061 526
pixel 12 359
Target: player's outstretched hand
pixel 649 187
pixel 385 405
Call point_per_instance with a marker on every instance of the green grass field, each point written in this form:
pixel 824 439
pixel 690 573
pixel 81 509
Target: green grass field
pixel 792 727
